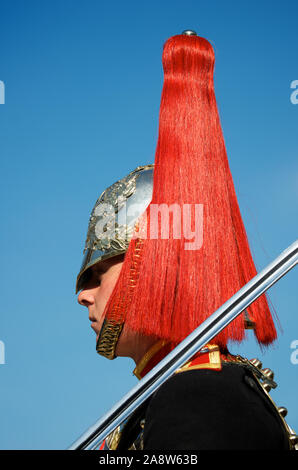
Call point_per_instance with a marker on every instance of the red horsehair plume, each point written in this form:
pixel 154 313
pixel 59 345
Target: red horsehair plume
pixel 164 289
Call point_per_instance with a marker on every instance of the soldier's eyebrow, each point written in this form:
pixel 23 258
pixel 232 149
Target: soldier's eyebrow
pixel 103 266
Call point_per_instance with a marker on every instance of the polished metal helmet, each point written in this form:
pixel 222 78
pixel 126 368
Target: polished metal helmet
pixel 113 218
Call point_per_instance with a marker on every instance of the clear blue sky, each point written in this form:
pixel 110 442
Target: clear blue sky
pixel 82 93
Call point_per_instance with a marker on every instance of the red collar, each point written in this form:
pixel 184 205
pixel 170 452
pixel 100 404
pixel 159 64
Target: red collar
pixel 208 358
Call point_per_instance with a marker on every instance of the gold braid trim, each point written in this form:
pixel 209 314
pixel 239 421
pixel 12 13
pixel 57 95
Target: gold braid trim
pixel 146 358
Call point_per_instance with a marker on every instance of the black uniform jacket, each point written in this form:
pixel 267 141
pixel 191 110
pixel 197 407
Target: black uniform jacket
pixel 206 409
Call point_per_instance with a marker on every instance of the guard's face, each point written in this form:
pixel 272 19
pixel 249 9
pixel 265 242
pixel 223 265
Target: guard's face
pixel 98 288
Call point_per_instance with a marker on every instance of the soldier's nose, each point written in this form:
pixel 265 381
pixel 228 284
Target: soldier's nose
pixel 85 298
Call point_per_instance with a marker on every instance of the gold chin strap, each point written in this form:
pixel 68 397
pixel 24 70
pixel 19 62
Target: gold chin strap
pixel 108 339
pixel 147 356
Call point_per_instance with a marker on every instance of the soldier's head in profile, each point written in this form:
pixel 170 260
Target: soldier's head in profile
pixel 109 233
pixel 174 276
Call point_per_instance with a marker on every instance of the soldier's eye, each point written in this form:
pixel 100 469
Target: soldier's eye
pixel 98 273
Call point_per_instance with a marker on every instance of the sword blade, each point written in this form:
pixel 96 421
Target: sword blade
pixel 187 348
